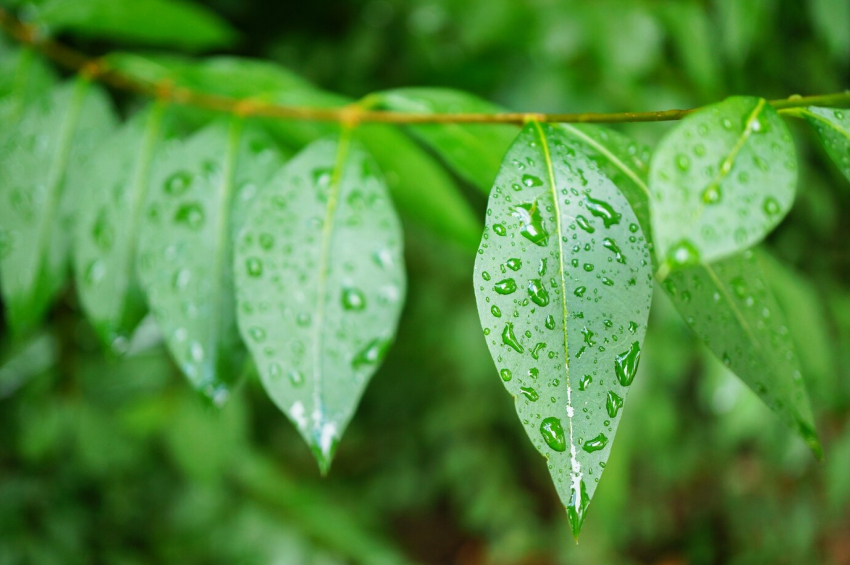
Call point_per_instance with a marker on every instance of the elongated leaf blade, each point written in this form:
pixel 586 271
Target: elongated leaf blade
pixel 24 77
pixel 56 133
pixel 107 231
pixel 833 128
pixel 172 23
pixel 730 306
pixel 721 180
pixel 198 191
pixel 320 281
pixel 563 281
pixel 473 151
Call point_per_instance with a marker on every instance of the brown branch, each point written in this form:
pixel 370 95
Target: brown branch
pixel 94 68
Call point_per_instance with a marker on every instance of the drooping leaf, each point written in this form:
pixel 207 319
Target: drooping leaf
pixel 198 191
pixel 833 128
pixel 107 230
pixel 720 181
pixel 474 151
pixel 168 23
pixel 24 77
pixel 563 281
pixel 55 134
pixel 730 306
pixel 320 282
pixel 420 187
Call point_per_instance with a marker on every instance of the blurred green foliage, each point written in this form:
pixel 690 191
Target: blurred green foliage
pixel 115 461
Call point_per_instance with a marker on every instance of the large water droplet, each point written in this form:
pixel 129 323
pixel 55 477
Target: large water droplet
pixel 372 353
pixel 531 181
pixel 353 299
pixel 626 364
pixel 603 211
pixel 613 403
pixel 553 434
pixel 531 222
pixel 595 444
pixel 577 508
pixel 254 267
pixel 505 286
pixel 529 393
pixel 509 339
pixel 683 253
pixel 538 293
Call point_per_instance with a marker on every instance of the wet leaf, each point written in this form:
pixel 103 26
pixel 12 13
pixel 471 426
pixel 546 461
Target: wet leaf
pixel 473 151
pixel 721 180
pixel 730 306
pixel 107 230
pixel 168 23
pixel 833 128
pixel 320 283
pixel 24 76
pixel 198 193
pixel 563 281
pixel 55 134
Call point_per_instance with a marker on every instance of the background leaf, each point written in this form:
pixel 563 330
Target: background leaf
pixel 564 282
pixel 24 77
pixel 730 306
pixel 173 23
pixel 56 133
pixel 320 281
pixel 721 180
pixel 473 151
pixel 107 230
pixel 185 249
pixel 833 128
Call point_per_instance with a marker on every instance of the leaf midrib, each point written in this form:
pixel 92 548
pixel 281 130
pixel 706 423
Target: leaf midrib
pixel 343 146
pixel 575 467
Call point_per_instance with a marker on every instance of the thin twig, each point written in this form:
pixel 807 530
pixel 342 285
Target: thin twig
pixel 96 69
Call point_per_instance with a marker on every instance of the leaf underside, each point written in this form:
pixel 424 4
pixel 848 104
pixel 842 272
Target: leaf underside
pixel 563 282
pixel 730 306
pixel 320 283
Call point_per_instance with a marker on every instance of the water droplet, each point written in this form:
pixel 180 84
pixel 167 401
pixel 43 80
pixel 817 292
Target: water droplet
pixel 372 353
pixel 500 229
pixel 603 211
pixel 550 322
pixel 531 222
pixel 712 194
pixel 683 162
pixel 190 215
pixel 514 264
pixel 258 334
pixel 531 181
pixel 353 299
pixel 577 508
pixel 505 286
pixel 613 403
pixel 178 183
pixel 553 434
pixel 632 327
pixel 582 222
pixel 496 311
pixel 595 444
pixel 509 339
pixel 584 382
pixel 611 245
pixel 254 266
pixel 266 241
pixel 538 293
pixel 505 374
pixel 579 291
pixel 296 378
pixel 626 364
pixel 303 319
pixel 102 233
pixel 771 206
pixel 683 253
pixel 529 393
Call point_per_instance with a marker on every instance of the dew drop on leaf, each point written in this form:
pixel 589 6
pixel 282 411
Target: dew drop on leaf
pixel 553 434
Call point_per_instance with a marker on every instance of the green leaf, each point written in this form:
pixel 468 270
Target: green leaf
pixel 420 187
pixel 56 133
pixel 107 230
pixel 833 128
pixel 721 180
pixel 621 159
pixel 831 19
pixel 564 283
pixel 320 281
pixel 198 191
pixel 24 77
pixel 167 23
pixel 730 306
pixel 473 151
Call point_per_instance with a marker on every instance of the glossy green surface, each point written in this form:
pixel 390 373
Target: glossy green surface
pixel 198 190
pixel 320 283
pixel 730 306
pixel 833 128
pixel 721 180
pixel 55 135
pixel 563 281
